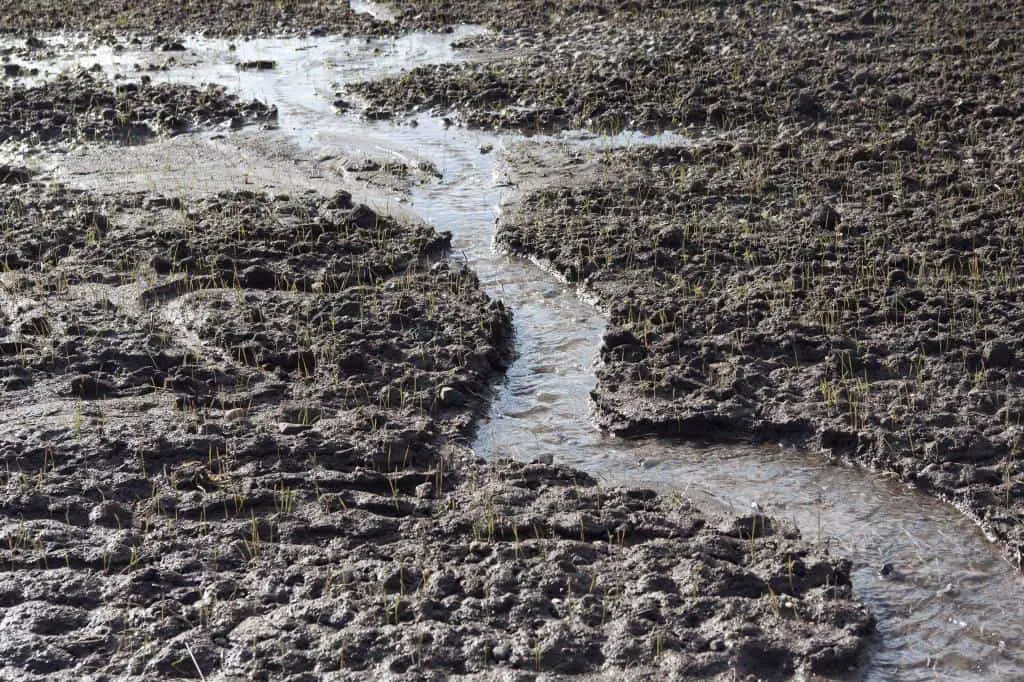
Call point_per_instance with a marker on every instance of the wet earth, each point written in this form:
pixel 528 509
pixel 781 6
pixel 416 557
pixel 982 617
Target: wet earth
pixel 229 448
pixel 239 388
pixel 831 259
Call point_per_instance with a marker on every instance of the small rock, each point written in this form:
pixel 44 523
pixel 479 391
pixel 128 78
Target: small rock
pixel 257 277
pixel 35 325
pixel 486 148
pixel 620 337
pixel 14 175
pixel 257 65
pixel 897 278
pixel 898 101
pixel 671 237
pixel 89 387
pixel 172 46
pixel 784 149
pixel 160 264
pixel 290 429
pixel 12 70
pixel 235 414
pixel 451 397
pixel 340 200
pixel 111 515
pixel 868 17
pixel 192 475
pixel 13 384
pixel 158 202
pixel 807 104
pixel 826 217
pixel 96 222
pixel 997 354
pixel 905 143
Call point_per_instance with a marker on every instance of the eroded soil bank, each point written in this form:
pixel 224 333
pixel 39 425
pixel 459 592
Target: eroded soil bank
pixel 834 261
pixel 229 447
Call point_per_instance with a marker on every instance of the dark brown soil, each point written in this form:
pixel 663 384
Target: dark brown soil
pixel 852 72
pixel 232 444
pixel 88 106
pixel 174 18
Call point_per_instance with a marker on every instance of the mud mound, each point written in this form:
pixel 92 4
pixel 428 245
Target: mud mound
pixel 224 18
pixel 750 297
pixel 87 106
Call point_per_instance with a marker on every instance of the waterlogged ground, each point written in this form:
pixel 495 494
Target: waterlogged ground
pixel 830 260
pixel 228 450
pixel 240 391
pixel 234 396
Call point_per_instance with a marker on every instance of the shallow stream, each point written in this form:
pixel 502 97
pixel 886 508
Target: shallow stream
pixel 952 609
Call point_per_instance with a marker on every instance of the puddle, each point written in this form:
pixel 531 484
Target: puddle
pixel 953 609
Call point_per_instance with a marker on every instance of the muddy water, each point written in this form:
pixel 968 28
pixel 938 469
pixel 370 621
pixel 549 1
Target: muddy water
pixel 951 609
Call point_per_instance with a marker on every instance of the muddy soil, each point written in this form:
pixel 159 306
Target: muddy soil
pixel 525 17
pixel 833 262
pixel 852 72
pixel 747 305
pixel 233 449
pixel 228 448
pixel 174 19
pixel 86 106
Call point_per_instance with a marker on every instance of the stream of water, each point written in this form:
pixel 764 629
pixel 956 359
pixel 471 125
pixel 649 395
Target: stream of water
pixel 953 610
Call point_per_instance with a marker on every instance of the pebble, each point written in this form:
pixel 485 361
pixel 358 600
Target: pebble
pixel 235 414
pixel 290 429
pixel 452 397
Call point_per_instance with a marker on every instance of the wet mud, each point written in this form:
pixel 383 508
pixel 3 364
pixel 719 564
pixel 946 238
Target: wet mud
pixel 832 261
pixel 168 20
pixel 228 449
pixel 85 106
pixel 234 445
